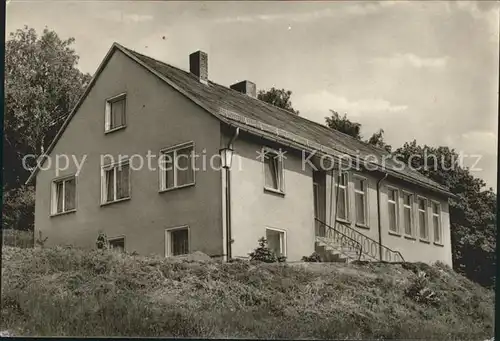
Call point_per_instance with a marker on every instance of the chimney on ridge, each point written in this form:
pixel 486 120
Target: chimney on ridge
pixel 245 87
pixel 198 65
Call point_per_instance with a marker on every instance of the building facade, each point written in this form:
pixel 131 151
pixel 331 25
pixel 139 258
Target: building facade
pixel 139 159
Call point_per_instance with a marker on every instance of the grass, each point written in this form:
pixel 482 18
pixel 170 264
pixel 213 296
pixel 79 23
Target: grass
pixel 71 292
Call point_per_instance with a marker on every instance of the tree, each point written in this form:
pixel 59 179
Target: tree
pixel 42 84
pixel 343 124
pixel 346 126
pixel 263 254
pixel 278 98
pixel 377 140
pixel 472 213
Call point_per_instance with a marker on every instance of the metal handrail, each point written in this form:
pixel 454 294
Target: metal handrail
pixel 345 240
pixel 372 251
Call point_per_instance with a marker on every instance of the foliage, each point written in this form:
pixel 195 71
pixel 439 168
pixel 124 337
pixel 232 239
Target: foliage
pixel 40 241
pixel 351 128
pixel 263 254
pixel 472 212
pixel 69 291
pixel 102 241
pixel 343 124
pixel 314 257
pixel 18 208
pixel 17 238
pixel 377 140
pixel 419 290
pixel 278 97
pixel 42 84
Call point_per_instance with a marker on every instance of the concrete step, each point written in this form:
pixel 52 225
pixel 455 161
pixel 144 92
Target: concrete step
pixel 329 254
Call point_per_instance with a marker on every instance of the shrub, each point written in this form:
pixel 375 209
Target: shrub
pixel 314 257
pixel 40 241
pixel 102 241
pixel 419 290
pixel 263 254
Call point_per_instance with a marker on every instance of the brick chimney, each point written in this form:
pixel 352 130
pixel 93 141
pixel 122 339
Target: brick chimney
pixel 245 87
pixel 198 65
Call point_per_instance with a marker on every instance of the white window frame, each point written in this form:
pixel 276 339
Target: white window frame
pixel 283 239
pixel 268 152
pixel 426 219
pixel 440 226
pixel 412 219
pixel 365 199
pixel 161 170
pixel 397 213
pixel 168 239
pixel 346 195
pixel 107 113
pixel 110 240
pixel 114 166
pixel 53 195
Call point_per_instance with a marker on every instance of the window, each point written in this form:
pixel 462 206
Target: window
pixel 177 241
pixel 273 170
pixel 115 116
pixel 276 241
pixel 392 201
pixel 422 218
pixel 115 182
pixel 360 200
pixel 177 167
pixel 436 222
pixel 117 244
pixel 408 214
pixel 342 198
pixel 63 195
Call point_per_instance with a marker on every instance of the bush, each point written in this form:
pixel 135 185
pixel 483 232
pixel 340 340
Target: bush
pixel 314 257
pixel 102 241
pixel 263 254
pixel 40 241
pixel 17 238
pixel 419 290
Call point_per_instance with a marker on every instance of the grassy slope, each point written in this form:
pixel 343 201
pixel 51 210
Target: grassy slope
pixel 72 292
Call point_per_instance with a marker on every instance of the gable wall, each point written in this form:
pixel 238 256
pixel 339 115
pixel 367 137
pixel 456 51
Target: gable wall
pixel 157 117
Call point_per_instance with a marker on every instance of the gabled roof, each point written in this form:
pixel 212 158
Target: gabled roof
pixel 260 118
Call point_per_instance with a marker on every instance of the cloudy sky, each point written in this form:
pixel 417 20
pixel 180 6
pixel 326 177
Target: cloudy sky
pixel 423 70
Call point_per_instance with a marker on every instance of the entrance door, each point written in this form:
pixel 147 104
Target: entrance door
pixel 319 192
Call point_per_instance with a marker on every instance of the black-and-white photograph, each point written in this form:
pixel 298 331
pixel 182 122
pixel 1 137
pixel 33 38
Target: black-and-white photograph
pixel 243 169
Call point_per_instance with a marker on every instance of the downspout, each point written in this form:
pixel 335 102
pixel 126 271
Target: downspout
pixel 228 200
pixel 378 216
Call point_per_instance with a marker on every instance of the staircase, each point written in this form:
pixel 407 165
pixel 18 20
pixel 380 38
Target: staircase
pixel 344 244
pixel 334 252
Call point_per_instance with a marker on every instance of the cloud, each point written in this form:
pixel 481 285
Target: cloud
pixel 482 142
pixel 487 11
pixel 480 150
pixel 324 101
pixel 410 59
pixel 126 18
pixel 358 9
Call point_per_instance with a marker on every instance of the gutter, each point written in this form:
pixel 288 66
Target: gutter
pixel 378 216
pixel 229 240
pixel 300 147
